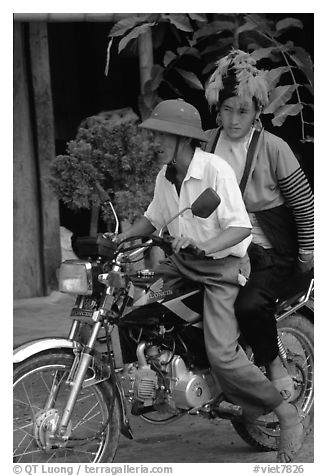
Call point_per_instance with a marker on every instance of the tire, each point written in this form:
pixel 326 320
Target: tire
pixel 296 332
pixel 95 420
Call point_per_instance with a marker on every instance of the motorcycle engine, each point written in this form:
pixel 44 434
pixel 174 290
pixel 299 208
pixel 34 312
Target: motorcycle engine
pixel 159 377
pixel 190 388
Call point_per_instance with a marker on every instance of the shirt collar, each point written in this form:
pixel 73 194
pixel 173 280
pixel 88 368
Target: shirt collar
pixel 195 169
pixel 244 141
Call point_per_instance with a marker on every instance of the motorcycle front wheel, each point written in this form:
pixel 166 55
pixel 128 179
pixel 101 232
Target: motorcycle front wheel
pixel 296 333
pixel 95 424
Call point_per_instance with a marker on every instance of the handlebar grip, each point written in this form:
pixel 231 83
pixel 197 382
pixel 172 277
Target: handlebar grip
pixel 195 251
pixel 192 250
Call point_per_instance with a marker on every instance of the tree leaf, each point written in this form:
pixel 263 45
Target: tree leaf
pixel 190 78
pixel 287 23
pixel 176 91
pixel 177 35
pixel 168 58
pixel 261 23
pixel 278 97
pixel 198 16
pixel 156 76
pixel 214 28
pixel 285 111
pixel 223 42
pixel 188 50
pixel 247 26
pixel 272 76
pixel 309 88
pixel 150 100
pixel 159 34
pixel 180 21
pixel 303 61
pixel 256 21
pixel 122 26
pixel 153 17
pixel 210 66
pixel 264 52
pixel 288 46
pixel 137 31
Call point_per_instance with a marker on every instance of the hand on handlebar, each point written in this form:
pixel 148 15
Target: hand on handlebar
pixel 186 244
pixel 181 243
pixel 116 238
pixel 120 237
pixel 110 235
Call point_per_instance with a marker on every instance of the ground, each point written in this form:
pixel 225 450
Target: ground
pixel 190 439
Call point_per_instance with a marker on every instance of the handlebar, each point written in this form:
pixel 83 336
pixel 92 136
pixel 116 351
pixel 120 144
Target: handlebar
pixel 163 242
pixel 167 240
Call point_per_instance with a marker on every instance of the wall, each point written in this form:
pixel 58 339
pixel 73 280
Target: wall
pixel 36 213
pixel 27 266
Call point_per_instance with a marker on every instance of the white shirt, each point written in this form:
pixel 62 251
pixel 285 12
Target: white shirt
pixel 234 152
pixel 205 170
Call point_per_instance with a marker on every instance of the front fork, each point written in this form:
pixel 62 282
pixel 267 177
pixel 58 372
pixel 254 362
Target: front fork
pixel 79 377
pixel 84 362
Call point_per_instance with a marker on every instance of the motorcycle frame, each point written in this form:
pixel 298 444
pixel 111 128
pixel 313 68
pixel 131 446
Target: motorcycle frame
pixel 306 301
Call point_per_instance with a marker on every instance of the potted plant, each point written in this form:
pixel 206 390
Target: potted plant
pixel 111 150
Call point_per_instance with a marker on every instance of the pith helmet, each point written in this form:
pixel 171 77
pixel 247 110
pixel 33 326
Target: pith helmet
pixel 178 117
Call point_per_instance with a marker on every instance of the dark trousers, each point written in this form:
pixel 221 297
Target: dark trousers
pixel 270 278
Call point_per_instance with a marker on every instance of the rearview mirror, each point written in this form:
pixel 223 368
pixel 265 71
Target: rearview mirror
pixel 206 203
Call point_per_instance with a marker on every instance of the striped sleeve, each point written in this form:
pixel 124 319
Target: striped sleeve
pixel 298 195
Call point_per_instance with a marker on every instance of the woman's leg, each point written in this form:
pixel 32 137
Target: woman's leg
pixel 255 312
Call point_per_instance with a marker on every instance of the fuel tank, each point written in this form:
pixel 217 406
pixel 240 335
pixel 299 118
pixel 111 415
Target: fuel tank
pixel 152 300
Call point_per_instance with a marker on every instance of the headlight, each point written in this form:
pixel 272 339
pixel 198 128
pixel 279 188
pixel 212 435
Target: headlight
pixel 75 277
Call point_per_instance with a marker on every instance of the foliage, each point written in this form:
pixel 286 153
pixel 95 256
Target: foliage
pixel 122 158
pixel 197 40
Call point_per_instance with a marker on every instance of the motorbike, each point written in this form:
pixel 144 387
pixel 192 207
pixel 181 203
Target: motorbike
pixel 136 346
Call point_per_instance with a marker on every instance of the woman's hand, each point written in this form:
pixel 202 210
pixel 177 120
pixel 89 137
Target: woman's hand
pixel 305 262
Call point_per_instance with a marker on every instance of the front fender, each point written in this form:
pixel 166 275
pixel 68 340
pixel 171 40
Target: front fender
pixel 24 351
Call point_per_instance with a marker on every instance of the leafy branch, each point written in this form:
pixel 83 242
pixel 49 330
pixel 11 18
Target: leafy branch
pixel 204 38
pixel 283 109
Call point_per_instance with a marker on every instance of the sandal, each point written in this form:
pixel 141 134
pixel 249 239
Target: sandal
pixel 285 386
pixel 291 439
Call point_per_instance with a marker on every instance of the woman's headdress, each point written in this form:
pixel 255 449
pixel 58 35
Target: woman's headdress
pixel 236 75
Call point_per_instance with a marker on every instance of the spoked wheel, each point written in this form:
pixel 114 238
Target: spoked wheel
pixel 296 333
pixel 39 396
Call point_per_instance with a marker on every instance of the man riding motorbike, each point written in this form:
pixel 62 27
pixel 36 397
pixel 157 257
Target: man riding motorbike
pixel 225 237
